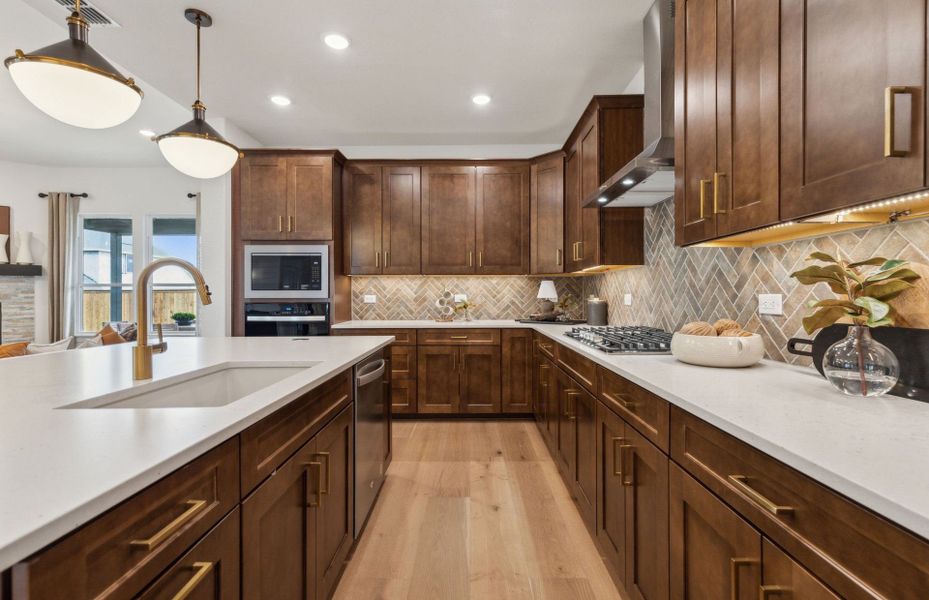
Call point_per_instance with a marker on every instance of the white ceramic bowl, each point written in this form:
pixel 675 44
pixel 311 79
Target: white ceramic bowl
pixel 713 351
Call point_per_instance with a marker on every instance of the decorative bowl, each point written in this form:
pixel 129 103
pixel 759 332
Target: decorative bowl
pixel 712 351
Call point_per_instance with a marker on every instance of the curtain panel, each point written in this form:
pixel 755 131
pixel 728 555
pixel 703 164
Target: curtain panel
pixel 62 263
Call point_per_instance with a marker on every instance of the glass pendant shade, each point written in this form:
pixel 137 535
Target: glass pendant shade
pixel 197 150
pixel 73 83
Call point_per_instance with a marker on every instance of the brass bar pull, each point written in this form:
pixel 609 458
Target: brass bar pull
pixel 619 399
pixel 290 223
pixel 627 465
pixel 195 506
pixel 734 565
pixel 572 414
pixel 457 337
pixel 703 184
pixel 580 250
pixel 325 459
pixel 716 209
pixel 317 493
pixel 280 223
pixel 772 590
pixel 386 258
pixel 618 472
pixel 558 256
pixel 201 570
pixel 741 483
pixel 377 259
pixel 480 258
pixel 890 116
pixel 470 259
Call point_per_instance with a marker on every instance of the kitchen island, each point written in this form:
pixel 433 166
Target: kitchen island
pixel 77 437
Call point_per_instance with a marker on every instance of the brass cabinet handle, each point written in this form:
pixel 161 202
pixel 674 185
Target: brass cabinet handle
pixel 558 252
pixel 619 399
pixel 716 209
pixel 572 415
pixel 325 459
pixel 280 223
pixel 890 113
pixel 627 465
pixel 290 223
pixel 769 590
pixel 377 259
pixel 457 337
pixel 618 472
pixel 201 570
pixel 318 494
pixel 194 507
pixel 480 258
pixel 734 565
pixel 703 184
pixel 580 250
pixel 386 258
pixel 741 483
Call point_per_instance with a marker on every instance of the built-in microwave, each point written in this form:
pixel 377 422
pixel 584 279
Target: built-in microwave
pixel 291 271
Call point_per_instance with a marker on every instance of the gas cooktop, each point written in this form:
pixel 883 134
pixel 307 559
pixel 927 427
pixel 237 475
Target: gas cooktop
pixel 623 339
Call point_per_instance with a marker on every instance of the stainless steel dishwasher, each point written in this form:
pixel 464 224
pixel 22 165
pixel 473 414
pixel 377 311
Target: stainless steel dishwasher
pixel 372 432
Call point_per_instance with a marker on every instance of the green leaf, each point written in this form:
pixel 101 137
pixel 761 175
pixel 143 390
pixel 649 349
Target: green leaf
pixel 886 290
pixel 834 302
pixel 822 256
pixel 892 264
pixel 833 275
pixel 824 317
pixel 877 310
pixel 904 274
pixel 871 262
pixel 885 322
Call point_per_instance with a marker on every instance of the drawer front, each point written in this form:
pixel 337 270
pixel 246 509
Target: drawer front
pixel 271 441
pixel 782 575
pixel 458 337
pixel 545 346
pixel 403 396
pixel 403 337
pixel 209 570
pixel 646 412
pixel 122 551
pixel 854 551
pixel 402 362
pixel 582 369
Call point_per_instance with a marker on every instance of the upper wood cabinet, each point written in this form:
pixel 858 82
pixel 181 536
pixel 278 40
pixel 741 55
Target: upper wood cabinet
pixel 382 219
pixel 448 215
pixel 547 214
pixel 288 196
pixel 502 220
pixel 853 102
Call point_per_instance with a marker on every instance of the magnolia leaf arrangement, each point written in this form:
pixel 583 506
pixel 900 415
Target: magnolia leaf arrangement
pixel 864 289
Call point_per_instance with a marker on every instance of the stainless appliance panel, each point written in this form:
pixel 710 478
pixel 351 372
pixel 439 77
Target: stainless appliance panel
pixel 291 271
pixel 372 433
pixel 286 319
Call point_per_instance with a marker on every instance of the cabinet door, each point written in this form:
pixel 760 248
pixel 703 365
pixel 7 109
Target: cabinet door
pixel 402 362
pixel 566 394
pixel 838 61
pixel 448 213
pixel 539 383
pixel 547 212
pixel 479 372
pixel 645 477
pixel 208 571
pixel 695 57
pixel 335 513
pixel 783 577
pixel 572 209
pixel 502 220
pixel 714 552
pixel 589 147
pixel 438 379
pixel 263 189
pixel 279 531
pixel 584 409
pixel 403 396
pixel 309 198
pixel 516 370
pixel 363 220
pixel 401 228
pixel 552 407
pixel 746 188
pixel 611 493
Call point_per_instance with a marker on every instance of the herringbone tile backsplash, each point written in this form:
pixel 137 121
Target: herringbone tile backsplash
pixel 675 286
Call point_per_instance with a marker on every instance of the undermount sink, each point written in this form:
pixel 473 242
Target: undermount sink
pixel 217 386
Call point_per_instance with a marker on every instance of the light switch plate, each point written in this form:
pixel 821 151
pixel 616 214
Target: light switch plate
pixel 370 299
pixel 627 299
pixel 461 297
pixel 771 304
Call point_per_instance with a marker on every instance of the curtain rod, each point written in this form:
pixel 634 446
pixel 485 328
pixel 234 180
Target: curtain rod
pixel 191 195
pixel 73 195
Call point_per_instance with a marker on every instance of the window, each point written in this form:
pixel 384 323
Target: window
pixel 173 290
pixel 105 282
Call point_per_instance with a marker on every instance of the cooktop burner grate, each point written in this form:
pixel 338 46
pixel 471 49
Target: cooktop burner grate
pixel 623 339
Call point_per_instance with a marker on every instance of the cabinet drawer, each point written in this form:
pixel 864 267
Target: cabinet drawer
pixel 582 369
pixel 403 396
pixel 271 441
pixel 402 362
pixel 854 551
pixel 119 553
pixel 209 570
pixel 545 346
pixel 454 337
pixel 403 337
pixel 645 411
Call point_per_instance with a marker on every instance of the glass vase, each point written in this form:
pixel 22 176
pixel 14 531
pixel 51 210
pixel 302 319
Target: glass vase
pixel 860 366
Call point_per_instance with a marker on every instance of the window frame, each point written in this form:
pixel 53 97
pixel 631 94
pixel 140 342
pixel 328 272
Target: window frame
pixel 78 310
pixel 148 254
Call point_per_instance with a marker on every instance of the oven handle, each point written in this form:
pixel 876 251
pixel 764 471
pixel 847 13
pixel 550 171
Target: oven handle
pixel 370 372
pixel 307 319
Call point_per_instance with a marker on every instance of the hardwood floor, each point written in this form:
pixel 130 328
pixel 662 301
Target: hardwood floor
pixel 474 510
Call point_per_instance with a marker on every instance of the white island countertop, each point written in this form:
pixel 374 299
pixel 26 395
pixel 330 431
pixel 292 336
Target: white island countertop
pixel 872 450
pixel 60 468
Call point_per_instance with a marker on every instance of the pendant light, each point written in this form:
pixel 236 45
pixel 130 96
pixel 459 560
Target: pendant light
pixel 73 83
pixel 195 148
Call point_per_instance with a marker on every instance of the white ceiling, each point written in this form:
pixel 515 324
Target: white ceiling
pixel 406 81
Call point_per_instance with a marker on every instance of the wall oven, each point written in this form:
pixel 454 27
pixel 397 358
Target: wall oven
pixel 293 272
pixel 279 319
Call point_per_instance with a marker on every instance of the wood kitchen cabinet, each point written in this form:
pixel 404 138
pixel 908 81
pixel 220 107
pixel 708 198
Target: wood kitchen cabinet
pixel 576 446
pixel 448 219
pixel 263 196
pixel 516 370
pixel 502 219
pixel 382 219
pixel 455 379
pixel 783 575
pixel 438 381
pixel 547 184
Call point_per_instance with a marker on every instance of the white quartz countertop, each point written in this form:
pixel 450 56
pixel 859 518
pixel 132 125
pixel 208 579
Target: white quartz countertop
pixel 874 451
pixel 61 468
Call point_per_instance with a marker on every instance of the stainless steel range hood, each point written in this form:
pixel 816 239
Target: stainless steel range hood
pixel 649 177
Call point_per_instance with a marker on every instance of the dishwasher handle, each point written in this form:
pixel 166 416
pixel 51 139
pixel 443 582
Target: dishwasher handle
pixel 370 372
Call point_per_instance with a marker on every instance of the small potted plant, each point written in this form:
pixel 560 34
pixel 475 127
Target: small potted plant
pixel 183 319
pixel 464 308
pixel 857 365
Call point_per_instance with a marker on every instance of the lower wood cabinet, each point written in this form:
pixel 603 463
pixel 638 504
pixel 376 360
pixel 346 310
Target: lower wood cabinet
pixel 577 443
pixel 516 370
pixel 455 379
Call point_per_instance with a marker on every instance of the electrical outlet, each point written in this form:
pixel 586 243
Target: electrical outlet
pixel 370 299
pixel 461 298
pixel 627 299
pixel 771 304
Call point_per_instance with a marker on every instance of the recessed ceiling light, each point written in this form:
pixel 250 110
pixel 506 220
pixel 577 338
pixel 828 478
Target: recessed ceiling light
pixel 603 199
pixel 336 41
pixel 480 99
pixel 147 133
pixel 628 181
pixel 281 100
